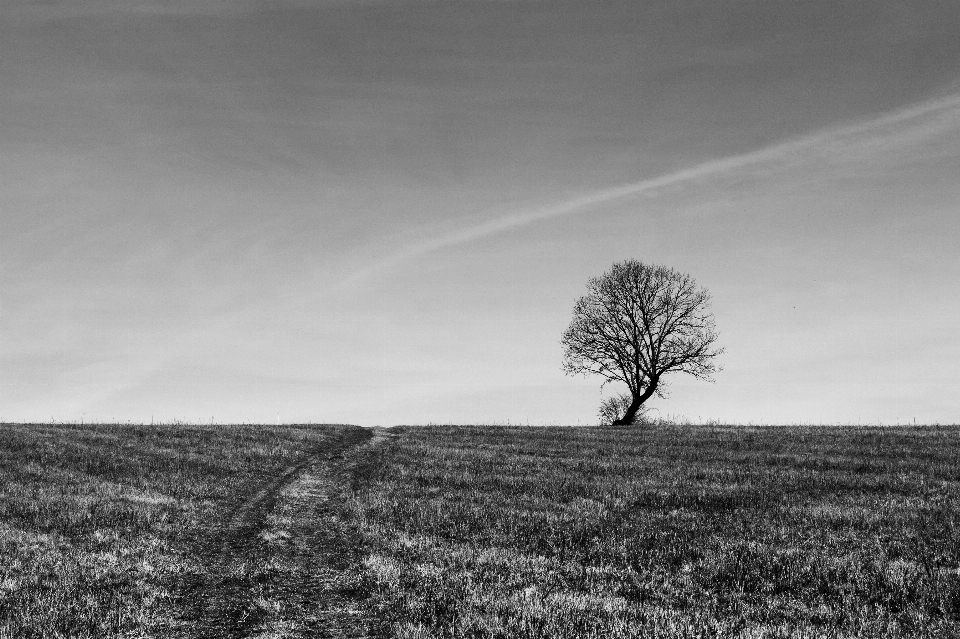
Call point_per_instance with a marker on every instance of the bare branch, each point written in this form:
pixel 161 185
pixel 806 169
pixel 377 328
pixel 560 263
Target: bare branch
pixel 637 323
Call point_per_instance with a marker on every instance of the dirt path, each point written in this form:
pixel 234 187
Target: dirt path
pixel 286 562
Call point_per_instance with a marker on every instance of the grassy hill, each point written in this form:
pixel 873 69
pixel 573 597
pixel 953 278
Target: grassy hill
pixel 119 530
pixel 485 531
pixel 667 532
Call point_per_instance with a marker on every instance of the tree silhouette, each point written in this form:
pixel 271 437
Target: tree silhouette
pixel 637 323
pixel 613 408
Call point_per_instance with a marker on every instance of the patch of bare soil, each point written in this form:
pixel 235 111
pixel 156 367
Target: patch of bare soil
pixel 287 562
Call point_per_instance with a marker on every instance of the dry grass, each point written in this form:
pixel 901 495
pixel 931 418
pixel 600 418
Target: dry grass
pixel 486 531
pixel 99 524
pixel 666 532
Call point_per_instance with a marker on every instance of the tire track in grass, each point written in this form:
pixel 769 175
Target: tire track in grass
pixel 260 580
pixel 320 585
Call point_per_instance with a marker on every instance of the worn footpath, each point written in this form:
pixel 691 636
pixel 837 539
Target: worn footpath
pixel 287 562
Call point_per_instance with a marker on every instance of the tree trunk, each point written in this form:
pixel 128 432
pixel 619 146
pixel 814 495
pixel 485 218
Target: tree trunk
pixel 635 405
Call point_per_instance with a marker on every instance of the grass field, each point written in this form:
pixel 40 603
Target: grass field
pixel 666 532
pixel 111 530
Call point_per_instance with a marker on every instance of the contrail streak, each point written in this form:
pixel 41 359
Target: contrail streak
pixel 710 168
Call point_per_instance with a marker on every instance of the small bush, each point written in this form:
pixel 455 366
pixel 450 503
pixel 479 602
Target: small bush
pixel 613 408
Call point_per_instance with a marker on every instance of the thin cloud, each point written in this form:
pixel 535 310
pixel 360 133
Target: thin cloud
pixel 58 10
pixel 828 141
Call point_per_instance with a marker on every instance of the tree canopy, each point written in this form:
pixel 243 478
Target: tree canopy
pixel 638 323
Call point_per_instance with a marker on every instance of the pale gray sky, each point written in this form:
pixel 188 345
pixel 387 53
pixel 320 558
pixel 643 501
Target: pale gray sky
pixel 382 212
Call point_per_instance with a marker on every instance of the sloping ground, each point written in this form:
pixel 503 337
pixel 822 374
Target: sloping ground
pixel 666 532
pixel 125 530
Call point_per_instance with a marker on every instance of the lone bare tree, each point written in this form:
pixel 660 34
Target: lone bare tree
pixel 637 323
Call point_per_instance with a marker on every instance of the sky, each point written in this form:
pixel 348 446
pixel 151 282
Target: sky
pixel 382 212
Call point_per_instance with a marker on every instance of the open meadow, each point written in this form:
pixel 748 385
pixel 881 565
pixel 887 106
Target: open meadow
pixel 725 531
pixel 125 530
pixel 484 531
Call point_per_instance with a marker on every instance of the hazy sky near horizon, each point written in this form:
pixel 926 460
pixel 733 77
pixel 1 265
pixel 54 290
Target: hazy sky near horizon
pixel 383 212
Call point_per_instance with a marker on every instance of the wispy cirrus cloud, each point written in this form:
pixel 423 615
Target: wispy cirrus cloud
pixel 81 8
pixel 903 127
pixel 59 9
